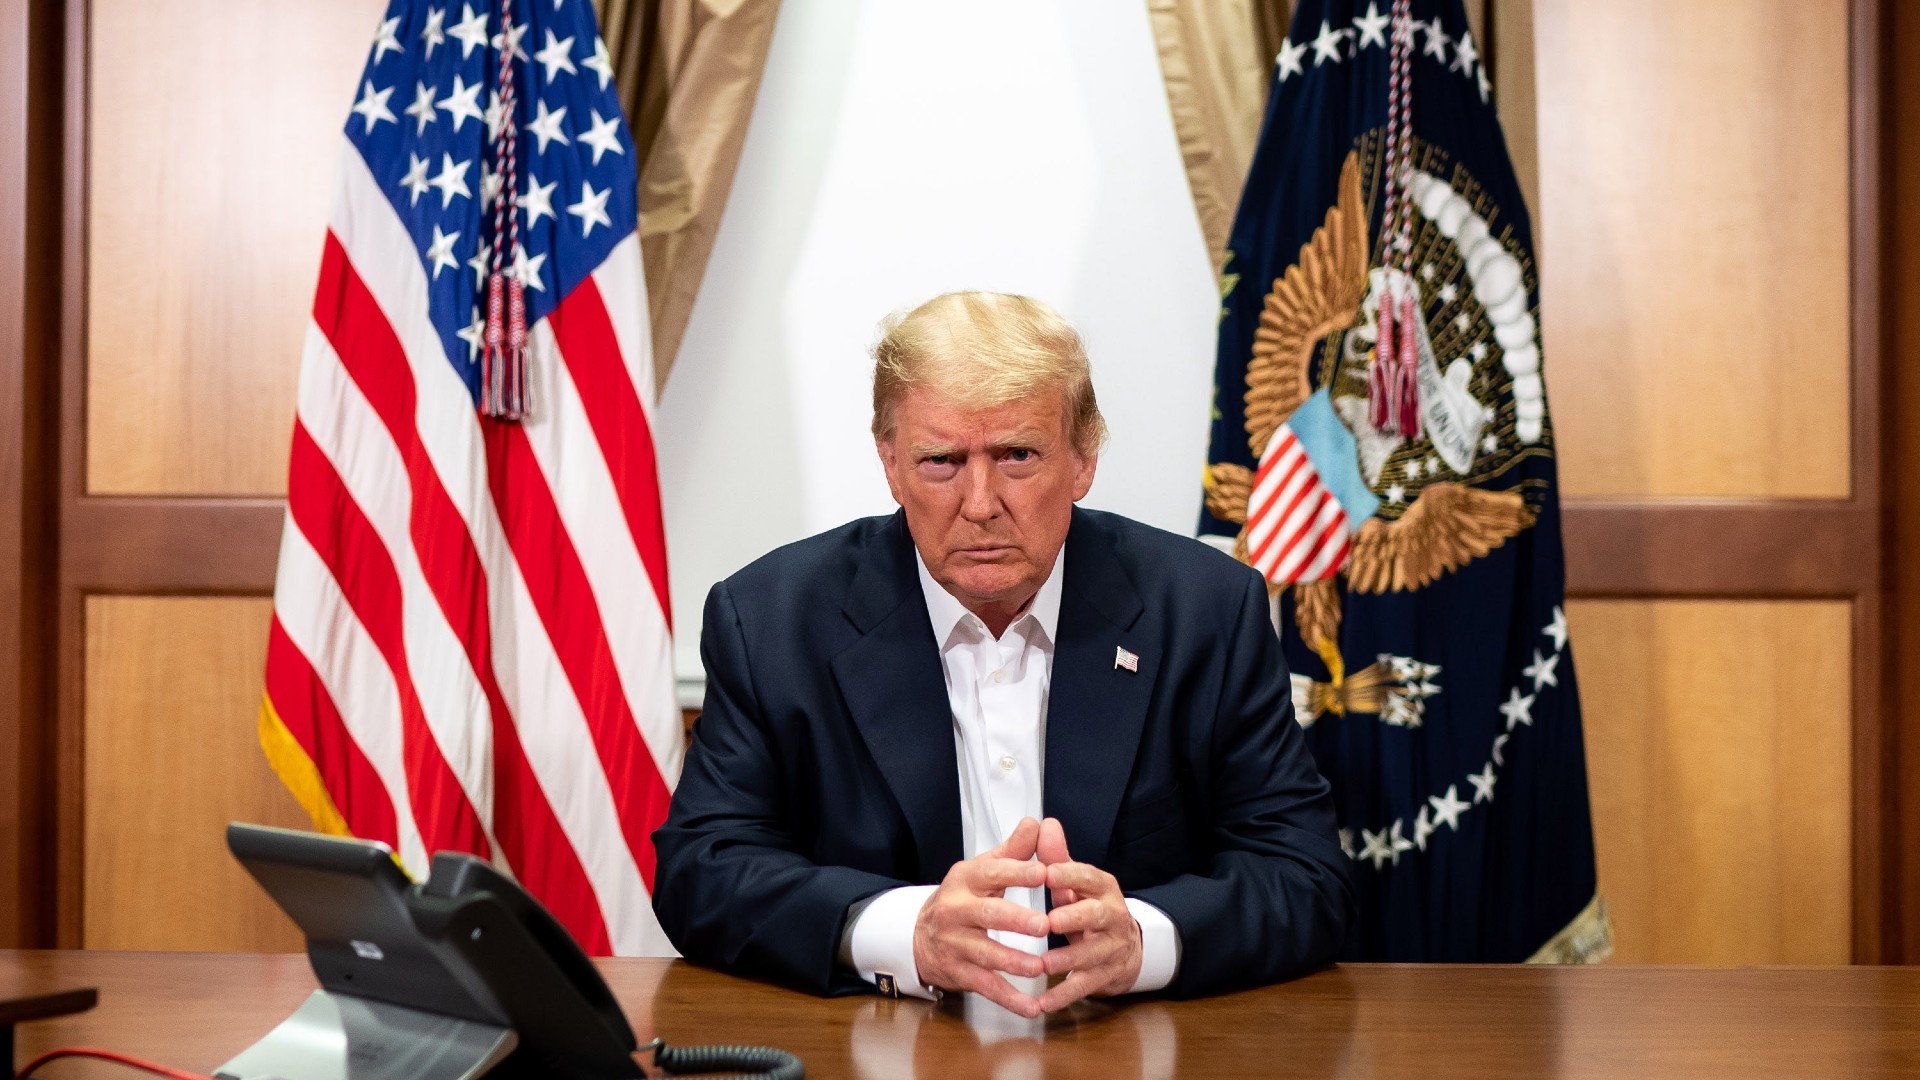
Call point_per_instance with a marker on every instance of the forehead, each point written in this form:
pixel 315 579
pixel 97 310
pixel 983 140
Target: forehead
pixel 925 417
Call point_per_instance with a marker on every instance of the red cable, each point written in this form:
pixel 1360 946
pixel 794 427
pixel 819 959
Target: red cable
pixel 107 1055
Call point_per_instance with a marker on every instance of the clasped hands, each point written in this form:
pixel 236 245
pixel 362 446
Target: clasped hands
pixel 1103 953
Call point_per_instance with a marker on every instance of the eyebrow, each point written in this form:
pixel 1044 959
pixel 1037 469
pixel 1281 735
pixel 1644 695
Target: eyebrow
pixel 1025 438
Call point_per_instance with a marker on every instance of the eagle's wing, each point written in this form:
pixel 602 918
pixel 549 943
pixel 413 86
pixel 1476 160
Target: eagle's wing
pixel 1448 526
pixel 1315 297
pixel 1228 487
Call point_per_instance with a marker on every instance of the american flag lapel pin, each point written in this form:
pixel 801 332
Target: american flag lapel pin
pixel 1124 659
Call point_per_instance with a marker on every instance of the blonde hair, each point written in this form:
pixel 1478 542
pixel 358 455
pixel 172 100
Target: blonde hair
pixel 976 350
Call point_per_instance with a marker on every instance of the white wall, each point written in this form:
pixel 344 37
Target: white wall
pixel 903 148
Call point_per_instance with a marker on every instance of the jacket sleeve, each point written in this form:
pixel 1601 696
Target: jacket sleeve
pixel 1274 900
pixel 732 889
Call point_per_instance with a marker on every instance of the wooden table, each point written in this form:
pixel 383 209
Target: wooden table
pixel 195 1010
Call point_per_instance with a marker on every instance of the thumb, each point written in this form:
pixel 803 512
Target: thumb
pixel 1052 846
pixel 1019 844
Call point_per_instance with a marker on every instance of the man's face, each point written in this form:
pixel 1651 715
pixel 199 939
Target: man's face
pixel 989 493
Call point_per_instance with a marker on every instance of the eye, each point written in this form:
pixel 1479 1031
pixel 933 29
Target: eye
pixel 937 459
pixel 1020 453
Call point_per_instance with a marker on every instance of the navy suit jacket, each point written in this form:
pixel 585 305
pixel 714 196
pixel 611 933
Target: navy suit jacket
pixel 823 769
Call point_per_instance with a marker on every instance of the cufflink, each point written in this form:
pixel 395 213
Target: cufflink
pixel 884 982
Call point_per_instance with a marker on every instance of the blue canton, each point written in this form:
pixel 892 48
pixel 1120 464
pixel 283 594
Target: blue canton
pixel 425 113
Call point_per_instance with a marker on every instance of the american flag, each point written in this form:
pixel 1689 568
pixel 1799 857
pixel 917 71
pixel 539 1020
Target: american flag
pixel 1296 527
pixel 470 647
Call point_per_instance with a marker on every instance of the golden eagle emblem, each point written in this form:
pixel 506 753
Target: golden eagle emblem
pixel 1326 299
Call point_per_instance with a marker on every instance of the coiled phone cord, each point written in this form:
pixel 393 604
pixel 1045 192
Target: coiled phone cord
pixel 740 1062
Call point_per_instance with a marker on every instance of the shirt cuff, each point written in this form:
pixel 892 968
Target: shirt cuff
pixel 1159 947
pixel 880 937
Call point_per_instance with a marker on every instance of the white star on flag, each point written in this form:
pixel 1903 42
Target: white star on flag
pixel 1447 808
pixel 600 63
pixel 1437 40
pixel 462 102
pixel 451 181
pixel 470 32
pixel 1327 45
pixel 472 333
pixel 387 39
pixel 373 106
pixel 1399 843
pixel 1422 828
pixel 1482 782
pixel 538 200
pixel 510 42
pixel 1372 27
pixel 422 107
pixel 554 57
pixel 546 125
pixel 1541 670
pixel 1465 54
pixel 435 32
pixel 1289 59
pixel 440 251
pixel 527 270
pixel 496 115
pixel 1377 847
pixel 1557 629
pixel 416 179
pixel 591 209
pixel 603 136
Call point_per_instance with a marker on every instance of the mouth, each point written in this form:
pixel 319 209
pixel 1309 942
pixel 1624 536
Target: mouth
pixel 985 551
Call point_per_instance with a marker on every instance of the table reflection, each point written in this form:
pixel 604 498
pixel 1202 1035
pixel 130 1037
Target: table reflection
pixel 967 1035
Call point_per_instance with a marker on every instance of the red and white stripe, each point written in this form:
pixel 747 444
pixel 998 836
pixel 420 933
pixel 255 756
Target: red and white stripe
pixel 471 632
pixel 1296 529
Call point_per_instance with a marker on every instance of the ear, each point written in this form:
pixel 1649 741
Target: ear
pixel 890 462
pixel 1083 475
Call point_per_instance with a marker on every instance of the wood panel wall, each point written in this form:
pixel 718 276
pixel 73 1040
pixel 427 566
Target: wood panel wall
pixel 173 690
pixel 1722 447
pixel 1704 217
pixel 1720 754
pixel 195 220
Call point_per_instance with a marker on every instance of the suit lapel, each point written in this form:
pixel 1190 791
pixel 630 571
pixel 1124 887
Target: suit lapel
pixel 896 690
pixel 1096 708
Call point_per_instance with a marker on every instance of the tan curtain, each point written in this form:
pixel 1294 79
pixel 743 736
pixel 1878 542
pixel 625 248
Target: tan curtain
pixel 1217 57
pixel 687 72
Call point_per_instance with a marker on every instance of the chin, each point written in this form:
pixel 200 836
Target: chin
pixel 990 582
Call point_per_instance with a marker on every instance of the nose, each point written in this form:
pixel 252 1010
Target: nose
pixel 980 502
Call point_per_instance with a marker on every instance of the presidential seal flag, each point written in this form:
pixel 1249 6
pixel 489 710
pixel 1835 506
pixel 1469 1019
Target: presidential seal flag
pixel 1381 452
pixel 470 645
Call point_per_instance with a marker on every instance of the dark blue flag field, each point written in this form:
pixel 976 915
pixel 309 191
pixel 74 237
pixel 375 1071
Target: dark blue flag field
pixel 1381 450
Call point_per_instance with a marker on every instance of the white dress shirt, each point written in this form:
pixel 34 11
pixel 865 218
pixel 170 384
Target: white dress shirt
pixel 998 692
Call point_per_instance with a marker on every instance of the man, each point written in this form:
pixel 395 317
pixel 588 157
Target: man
pixel 894 706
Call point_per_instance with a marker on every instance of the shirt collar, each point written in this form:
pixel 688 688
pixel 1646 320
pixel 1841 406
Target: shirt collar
pixel 946 612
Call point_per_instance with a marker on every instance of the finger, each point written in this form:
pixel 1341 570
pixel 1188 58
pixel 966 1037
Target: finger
pixel 1088 954
pixel 1084 915
pixel 987 875
pixel 1069 990
pixel 993 913
pixel 983 951
pixel 1052 844
pixel 1019 843
pixel 1082 878
pixel 1001 992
